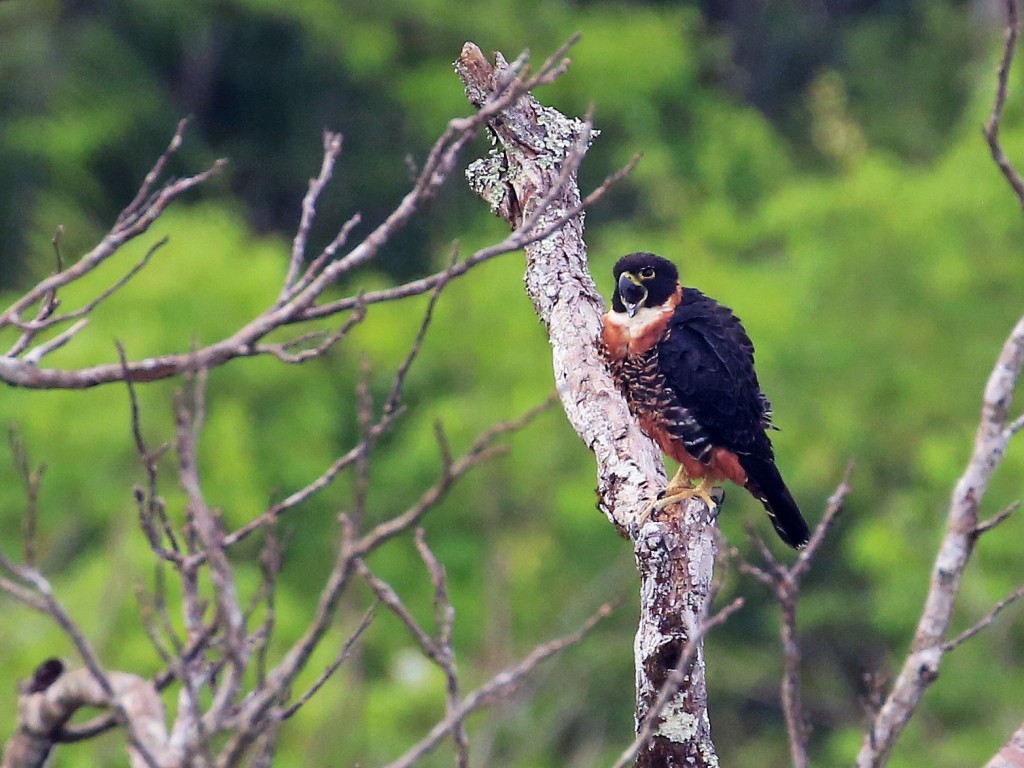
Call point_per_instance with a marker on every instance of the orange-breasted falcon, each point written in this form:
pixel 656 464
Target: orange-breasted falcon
pixel 686 368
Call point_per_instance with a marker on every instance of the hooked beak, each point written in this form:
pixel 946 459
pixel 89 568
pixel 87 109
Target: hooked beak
pixel 632 293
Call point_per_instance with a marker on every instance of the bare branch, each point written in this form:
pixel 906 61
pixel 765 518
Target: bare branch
pixel 987 525
pixel 296 300
pixel 127 228
pixel 190 413
pixel 1011 755
pixel 967 634
pixel 270 565
pixel 517 240
pixel 444 621
pixel 364 416
pixel 438 649
pixel 341 658
pixel 49 303
pixel 34 327
pixel 328 253
pixel 249 720
pixel 39 352
pixel 784 582
pixel 386 594
pixel 151 508
pixel 836 504
pixel 22 594
pixel 991 129
pixel 146 189
pixel 332 148
pixel 481 450
pixel 50 700
pixel 921 666
pixel 398 382
pixel 1015 426
pixel 498 687
pixel 32 479
pixel 323 341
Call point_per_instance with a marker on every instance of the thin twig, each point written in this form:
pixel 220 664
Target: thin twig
pixel 32 480
pixel 33 327
pixel 398 382
pixel 444 624
pixel 190 417
pixel 328 253
pixel 386 595
pixel 992 125
pixel 22 594
pixel 785 582
pixel 991 616
pixel 836 504
pixel 1015 426
pixel 124 230
pixel 271 562
pixel 249 719
pixel 146 188
pixel 150 505
pixel 364 417
pixel 48 304
pixel 516 240
pixel 332 148
pixel 498 687
pixel 37 353
pixel 341 658
pixel 482 449
pixel 324 341
pixel 1002 516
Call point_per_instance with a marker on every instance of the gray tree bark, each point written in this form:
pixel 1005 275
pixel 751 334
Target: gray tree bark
pixel 529 179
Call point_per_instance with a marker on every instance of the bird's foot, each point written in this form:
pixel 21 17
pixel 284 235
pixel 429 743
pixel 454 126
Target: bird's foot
pixel 677 493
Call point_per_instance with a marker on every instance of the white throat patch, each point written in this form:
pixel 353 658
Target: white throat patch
pixel 635 326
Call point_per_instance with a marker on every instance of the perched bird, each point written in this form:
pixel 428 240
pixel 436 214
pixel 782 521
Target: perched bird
pixel 686 368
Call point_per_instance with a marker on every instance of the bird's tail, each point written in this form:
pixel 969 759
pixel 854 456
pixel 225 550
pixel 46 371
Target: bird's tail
pixel 767 486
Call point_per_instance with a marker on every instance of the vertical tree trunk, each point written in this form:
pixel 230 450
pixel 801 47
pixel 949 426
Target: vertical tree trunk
pixel 675 563
pixel 530 181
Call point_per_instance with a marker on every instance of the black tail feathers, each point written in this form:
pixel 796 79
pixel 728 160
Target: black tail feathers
pixel 766 484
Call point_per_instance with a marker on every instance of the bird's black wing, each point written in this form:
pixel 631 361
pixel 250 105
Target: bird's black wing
pixel 707 360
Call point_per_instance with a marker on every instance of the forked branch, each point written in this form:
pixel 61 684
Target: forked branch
pixel 299 299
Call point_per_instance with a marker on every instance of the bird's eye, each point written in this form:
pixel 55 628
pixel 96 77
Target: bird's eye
pixel 647 273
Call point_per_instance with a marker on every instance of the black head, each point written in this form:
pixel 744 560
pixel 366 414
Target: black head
pixel 643 280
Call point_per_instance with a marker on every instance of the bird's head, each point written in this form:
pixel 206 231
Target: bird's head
pixel 643 280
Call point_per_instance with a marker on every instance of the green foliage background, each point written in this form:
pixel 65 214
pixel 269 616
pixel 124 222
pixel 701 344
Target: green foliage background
pixel 819 169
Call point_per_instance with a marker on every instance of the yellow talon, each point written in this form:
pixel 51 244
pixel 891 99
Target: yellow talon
pixel 679 489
